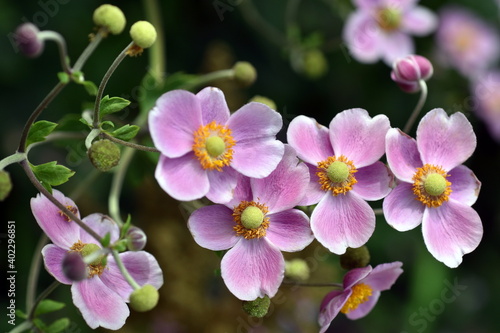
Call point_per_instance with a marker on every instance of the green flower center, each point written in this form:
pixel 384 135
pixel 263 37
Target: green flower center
pixel 215 146
pixel 338 172
pixel 90 248
pixel 435 184
pixel 389 19
pixel 252 217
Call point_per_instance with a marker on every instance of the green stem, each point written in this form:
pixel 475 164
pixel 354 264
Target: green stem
pixel 157 51
pixel 207 78
pixel 42 296
pixel 124 271
pixel 116 186
pixel 130 144
pixel 61 45
pixel 378 211
pixel 14 158
pixel 88 50
pixel 418 107
pixel 23 327
pixel 34 273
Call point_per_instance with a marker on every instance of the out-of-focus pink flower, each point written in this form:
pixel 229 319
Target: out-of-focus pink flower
pixel 486 94
pixel 381 29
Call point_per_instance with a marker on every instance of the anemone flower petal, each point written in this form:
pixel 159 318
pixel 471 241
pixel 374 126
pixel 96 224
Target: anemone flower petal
pixel 383 276
pixel 402 154
pixel 419 21
pixel 330 308
pixel 354 276
pixel 396 45
pixel 362 35
pixel 401 210
pixel 254 121
pixel 373 181
pixel 222 185
pixel 465 186
pixel 289 230
pixel 213 106
pixel 257 158
pixel 53 257
pixel 102 225
pixel 313 192
pixel 364 308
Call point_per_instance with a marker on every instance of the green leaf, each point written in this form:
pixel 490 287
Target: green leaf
pixel 107 125
pixel 39 324
pixel 47 306
pixel 126 132
pixel 126 226
pixel 51 174
pixel 21 314
pixel 39 130
pixel 105 240
pixel 112 105
pixel 58 326
pixel 90 87
pixel 63 77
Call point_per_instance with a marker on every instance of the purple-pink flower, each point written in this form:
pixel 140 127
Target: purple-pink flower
pixel 345 171
pixel 256 226
pixel 408 71
pixel 466 42
pixel 381 29
pixel 360 292
pixel 434 188
pixel 486 94
pixel 102 296
pixel 204 148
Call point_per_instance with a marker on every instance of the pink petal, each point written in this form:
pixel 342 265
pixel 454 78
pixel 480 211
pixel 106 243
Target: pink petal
pixel 242 192
pixel 342 221
pixel 383 276
pixel 401 208
pixel 359 137
pixel 212 227
pixel 445 141
pixel 222 185
pixel 253 268
pixel 102 225
pixel 402 155
pixel 310 140
pixel 369 4
pixel 419 21
pixel 52 257
pixel 374 181
pixel 55 225
pixel 362 36
pixel 257 158
pixel 213 105
pixel 354 276
pixel 450 231
pixel 99 305
pixel 331 306
pixel 395 45
pixel 254 121
pixel 173 121
pixel 289 230
pixel 465 186
pixel 314 193
pixel 141 265
pixel 364 308
pixel 182 178
pixel 285 186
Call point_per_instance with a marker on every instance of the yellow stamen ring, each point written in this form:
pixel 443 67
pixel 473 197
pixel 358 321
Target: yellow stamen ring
pixel 93 269
pixel 72 209
pixel 430 185
pixel 336 174
pixel 360 294
pixel 389 19
pixel 250 231
pixel 212 146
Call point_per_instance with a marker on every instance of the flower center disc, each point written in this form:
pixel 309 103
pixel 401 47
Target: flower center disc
pixel 389 19
pixel 360 294
pixel 336 174
pixel 97 266
pixel 212 146
pixel 252 217
pixel 251 220
pixel 430 185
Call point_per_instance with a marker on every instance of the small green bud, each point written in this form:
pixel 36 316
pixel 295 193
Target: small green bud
pixel 143 34
pixel 258 307
pixel 144 298
pixel 355 258
pixel 244 73
pixel 111 17
pixel 297 269
pixel 104 155
pixel 314 64
pixel 5 185
pixel 264 100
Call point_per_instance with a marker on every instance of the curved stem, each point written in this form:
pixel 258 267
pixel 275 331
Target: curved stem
pixel 42 296
pixel 116 186
pixel 94 42
pixel 157 51
pixel 130 144
pixel 418 107
pixel 34 272
pixel 204 79
pixel 124 271
pixel 61 45
pixel 14 158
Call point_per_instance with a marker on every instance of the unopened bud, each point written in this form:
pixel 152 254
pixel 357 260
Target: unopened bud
pixel 73 266
pixel 104 155
pixel 144 298
pixel 28 41
pixel 111 17
pixel 258 307
pixel 136 239
pixel 244 73
pixel 5 185
pixel 355 258
pixel 143 34
pixel 408 71
pixel 264 100
pixel 314 64
pixel 297 269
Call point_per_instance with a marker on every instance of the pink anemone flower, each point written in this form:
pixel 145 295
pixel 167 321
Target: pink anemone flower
pixel 434 188
pixel 486 93
pixel 256 226
pixel 345 171
pixel 102 296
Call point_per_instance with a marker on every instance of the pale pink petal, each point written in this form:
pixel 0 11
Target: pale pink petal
pixel 173 121
pixel 254 121
pixel 401 208
pixel 242 192
pixel 362 36
pixel 331 306
pixel 310 140
pixel 53 257
pixel 369 4
pixel 253 268
pixel 419 21
pixel 373 181
pixel 289 230
pixel 342 221
pixel 102 225
pixel 257 158
pixel 314 193
pixel 465 186
pixel 383 276
pixel 285 186
pixel 402 155
pixel 445 141
pixel 395 45
pixel 182 178
pixel 99 305
pixel 212 227
pixel 354 276
pixel 222 185
pixel 359 137
pixel 364 308
pixel 53 222
pixel 450 231
pixel 213 106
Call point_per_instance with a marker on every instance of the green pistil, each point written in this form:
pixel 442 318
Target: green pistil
pixel 215 146
pixel 435 184
pixel 90 248
pixel 338 172
pixel 252 217
pixel 389 19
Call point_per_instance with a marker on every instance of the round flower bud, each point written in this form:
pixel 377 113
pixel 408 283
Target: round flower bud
pixel 297 269
pixel 314 64
pixel 144 298
pixel 258 307
pixel 264 100
pixel 136 239
pixel 244 73
pixel 27 40
pixel 408 71
pixel 73 266
pixel 143 34
pixel 355 258
pixel 104 155
pixel 111 17
pixel 5 185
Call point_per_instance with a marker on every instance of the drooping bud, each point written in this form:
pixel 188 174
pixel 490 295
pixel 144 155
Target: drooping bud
pixel 5 185
pixel 28 41
pixel 264 100
pixel 73 266
pixel 408 71
pixel 355 258
pixel 258 307
pixel 143 34
pixel 144 298
pixel 104 155
pixel 111 17
pixel 297 269
pixel 244 73
pixel 136 239
pixel 314 64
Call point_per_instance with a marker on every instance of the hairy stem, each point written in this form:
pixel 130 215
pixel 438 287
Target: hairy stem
pixel 124 271
pixel 418 107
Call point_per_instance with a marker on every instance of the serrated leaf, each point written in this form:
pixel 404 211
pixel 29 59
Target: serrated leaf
pixel 52 174
pixel 58 326
pixel 21 314
pixel 126 132
pixel 39 130
pixel 112 105
pixel 47 306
